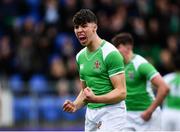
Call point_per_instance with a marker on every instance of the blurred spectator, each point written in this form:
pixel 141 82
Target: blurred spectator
pixel 28 27
pixel 51 33
pixel 88 4
pixel 165 65
pixel 6 56
pixel 162 12
pixel 51 12
pixel 63 88
pixel 118 22
pixel 172 43
pixel 68 9
pixel 154 36
pixel 24 54
pixel 8 12
pixel 41 54
pixel 106 6
pixel 144 7
pixel 174 19
pixel 57 69
pixel 40 28
pixel 139 31
pixel 67 50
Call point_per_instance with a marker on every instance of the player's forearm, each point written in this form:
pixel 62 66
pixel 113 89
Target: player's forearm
pixel 79 102
pixel 114 96
pixel 161 94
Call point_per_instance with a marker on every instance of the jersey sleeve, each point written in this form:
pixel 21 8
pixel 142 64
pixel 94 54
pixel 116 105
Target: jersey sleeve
pixel 147 70
pixel 114 63
pixel 78 68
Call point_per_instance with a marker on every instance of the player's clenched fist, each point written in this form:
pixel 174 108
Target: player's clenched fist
pixel 69 106
pixel 89 95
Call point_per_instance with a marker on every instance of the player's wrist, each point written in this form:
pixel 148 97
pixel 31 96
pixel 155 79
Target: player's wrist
pixel 78 106
pixel 75 105
pixel 150 111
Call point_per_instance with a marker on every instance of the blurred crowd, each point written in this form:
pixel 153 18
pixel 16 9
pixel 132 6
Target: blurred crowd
pixel 36 36
pixel 37 41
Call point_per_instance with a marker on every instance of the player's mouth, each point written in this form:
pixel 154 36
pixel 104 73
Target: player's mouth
pixel 82 38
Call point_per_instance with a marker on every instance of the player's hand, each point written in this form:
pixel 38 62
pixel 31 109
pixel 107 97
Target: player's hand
pixel 69 106
pixel 89 95
pixel 146 115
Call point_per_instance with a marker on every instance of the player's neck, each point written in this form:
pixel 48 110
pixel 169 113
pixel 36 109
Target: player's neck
pixel 95 43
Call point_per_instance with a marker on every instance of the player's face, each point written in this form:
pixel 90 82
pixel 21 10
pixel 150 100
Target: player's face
pixel 124 49
pixel 85 33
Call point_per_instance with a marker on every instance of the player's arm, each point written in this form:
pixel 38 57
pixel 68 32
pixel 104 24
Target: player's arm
pixel 150 73
pixel 78 103
pixel 116 95
pixel 80 100
pixel 162 91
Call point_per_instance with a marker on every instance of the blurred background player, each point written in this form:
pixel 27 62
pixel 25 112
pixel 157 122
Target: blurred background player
pixel 143 111
pixel 171 108
pixel 101 70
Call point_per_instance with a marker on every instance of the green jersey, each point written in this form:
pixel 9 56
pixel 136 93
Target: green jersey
pixel 173 98
pixel 96 68
pixel 138 75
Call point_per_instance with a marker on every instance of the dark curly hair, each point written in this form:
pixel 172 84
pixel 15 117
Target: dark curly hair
pixel 84 16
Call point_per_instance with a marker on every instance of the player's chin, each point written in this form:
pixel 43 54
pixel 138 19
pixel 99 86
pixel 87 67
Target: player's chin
pixel 83 42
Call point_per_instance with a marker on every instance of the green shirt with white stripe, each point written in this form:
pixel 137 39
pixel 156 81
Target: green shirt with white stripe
pixel 173 99
pixel 96 68
pixel 139 72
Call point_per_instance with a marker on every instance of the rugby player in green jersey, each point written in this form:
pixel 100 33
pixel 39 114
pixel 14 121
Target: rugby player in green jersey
pixel 101 70
pixel 171 107
pixel 143 111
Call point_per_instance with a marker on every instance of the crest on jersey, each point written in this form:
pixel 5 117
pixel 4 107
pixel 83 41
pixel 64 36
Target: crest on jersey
pixel 131 75
pixel 97 64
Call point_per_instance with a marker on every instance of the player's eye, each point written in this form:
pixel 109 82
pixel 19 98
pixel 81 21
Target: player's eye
pixel 76 26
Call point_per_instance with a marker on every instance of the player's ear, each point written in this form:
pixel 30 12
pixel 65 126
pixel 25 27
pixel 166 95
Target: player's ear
pixel 95 27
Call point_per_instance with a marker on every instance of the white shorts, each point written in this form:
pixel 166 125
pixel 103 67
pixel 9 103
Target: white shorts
pixel 170 120
pixel 136 123
pixel 107 118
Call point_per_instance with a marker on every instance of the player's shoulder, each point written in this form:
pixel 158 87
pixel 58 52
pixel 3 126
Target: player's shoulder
pixel 138 60
pixel 81 52
pixel 168 77
pixel 107 48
